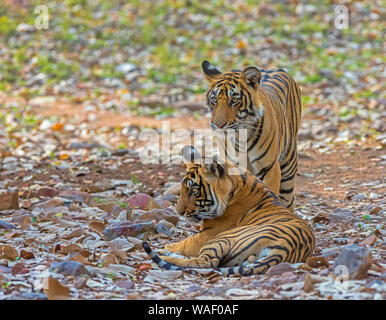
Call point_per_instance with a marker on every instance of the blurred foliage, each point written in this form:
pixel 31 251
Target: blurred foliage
pixel 168 39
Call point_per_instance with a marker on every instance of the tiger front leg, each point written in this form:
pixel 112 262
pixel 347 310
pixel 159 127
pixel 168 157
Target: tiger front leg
pixel 209 257
pixel 191 246
pixel 176 247
pixel 198 262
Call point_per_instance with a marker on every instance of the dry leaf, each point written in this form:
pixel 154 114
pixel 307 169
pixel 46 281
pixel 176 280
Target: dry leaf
pixel 310 280
pixel 25 222
pixel 97 226
pixel 54 290
pixel 241 45
pixel 73 247
pixel 317 262
pixel 78 257
pixel 26 254
pixel 370 241
pixel 73 234
pixel 57 126
pixel 64 156
pixel 109 259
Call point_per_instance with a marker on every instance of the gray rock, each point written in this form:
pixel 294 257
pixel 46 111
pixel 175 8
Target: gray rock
pixel 356 259
pixel 75 195
pixel 358 197
pixel 47 192
pixel 342 216
pixel 170 197
pixel 163 228
pixel 6 225
pixel 73 268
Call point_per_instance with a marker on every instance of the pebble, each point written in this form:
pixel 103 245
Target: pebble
pixel 9 200
pixel 342 216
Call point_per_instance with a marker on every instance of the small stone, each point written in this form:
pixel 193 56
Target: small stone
pixel 73 268
pixel 165 274
pixel 357 259
pixel 310 280
pixel 158 215
pixel 25 254
pixel 161 228
pixel 170 198
pixel 74 195
pixel 47 192
pixel 122 215
pixel 128 229
pixel 6 225
pixel 107 205
pixel 52 203
pixel 342 216
pixel 330 253
pixel 121 268
pixel 142 201
pixel 8 252
pixel 125 284
pixel 4 269
pixel 280 268
pixel 9 200
pixel 19 268
pixel 358 197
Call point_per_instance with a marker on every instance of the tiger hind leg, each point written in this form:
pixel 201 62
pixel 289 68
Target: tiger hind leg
pixel 260 266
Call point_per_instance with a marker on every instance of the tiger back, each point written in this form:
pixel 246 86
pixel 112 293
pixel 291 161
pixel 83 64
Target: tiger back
pixel 267 103
pixel 244 229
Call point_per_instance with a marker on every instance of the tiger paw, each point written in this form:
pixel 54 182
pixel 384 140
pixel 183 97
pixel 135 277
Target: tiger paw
pixel 173 247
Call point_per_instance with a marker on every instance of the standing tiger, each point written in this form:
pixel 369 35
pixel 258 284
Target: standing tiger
pixel 244 229
pixel 268 104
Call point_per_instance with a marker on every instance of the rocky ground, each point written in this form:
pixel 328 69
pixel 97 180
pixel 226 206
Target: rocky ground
pixel 75 198
pixel 72 223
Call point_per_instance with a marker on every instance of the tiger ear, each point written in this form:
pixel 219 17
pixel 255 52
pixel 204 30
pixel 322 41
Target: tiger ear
pixel 211 72
pixel 214 169
pixel 190 154
pixel 252 76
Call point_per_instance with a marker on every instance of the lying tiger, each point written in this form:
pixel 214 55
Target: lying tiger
pixel 242 220
pixel 267 103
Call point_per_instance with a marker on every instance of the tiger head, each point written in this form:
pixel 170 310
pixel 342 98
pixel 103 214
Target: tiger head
pixel 232 97
pixel 205 187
